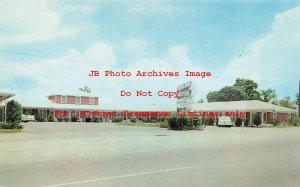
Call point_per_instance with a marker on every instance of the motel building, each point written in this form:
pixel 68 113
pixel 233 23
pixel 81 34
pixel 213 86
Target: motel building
pixel 68 104
pixel 246 110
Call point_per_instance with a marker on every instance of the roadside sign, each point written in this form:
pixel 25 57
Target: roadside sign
pixel 185 95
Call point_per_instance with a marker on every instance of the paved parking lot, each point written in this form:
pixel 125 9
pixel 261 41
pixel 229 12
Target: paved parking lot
pixel 89 154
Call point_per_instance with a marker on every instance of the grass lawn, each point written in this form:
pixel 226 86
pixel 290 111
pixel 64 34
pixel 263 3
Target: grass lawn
pixel 284 126
pixel 10 130
pixel 140 124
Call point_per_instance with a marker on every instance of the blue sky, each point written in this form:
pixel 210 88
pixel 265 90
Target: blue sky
pixel 255 39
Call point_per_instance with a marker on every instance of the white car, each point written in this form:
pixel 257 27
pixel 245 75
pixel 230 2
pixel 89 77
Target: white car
pixel 27 118
pixel 224 121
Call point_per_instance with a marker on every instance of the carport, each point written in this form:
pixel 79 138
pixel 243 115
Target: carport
pixel 4 96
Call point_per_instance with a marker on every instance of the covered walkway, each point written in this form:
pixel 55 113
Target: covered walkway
pixel 4 96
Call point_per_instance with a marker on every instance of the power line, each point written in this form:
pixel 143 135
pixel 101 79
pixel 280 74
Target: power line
pixel 49 57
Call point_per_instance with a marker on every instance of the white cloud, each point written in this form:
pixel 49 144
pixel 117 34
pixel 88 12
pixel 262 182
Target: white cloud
pixel 135 45
pixel 101 53
pixel 58 74
pixel 29 21
pixel 82 8
pixel 153 7
pixel 175 59
pixel 273 60
pixel 66 76
pixel 78 7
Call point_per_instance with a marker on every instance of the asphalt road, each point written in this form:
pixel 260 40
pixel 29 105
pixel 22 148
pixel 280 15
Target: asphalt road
pixel 49 154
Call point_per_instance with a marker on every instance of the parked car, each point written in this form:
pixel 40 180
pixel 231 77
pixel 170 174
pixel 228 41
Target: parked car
pixel 27 118
pixel 225 121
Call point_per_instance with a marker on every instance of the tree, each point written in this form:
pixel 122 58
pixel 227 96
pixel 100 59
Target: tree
pixel 13 118
pixel 257 119
pixel 212 96
pixel 267 95
pixel 228 93
pixel 286 102
pixel 297 99
pixel 249 87
pixel 243 89
pixel 50 118
pixel 14 112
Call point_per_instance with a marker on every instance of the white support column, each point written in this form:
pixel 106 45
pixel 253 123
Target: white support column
pixel 5 110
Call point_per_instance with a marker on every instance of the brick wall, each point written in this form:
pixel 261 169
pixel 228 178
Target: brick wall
pixel 283 117
pixel 96 101
pixel 71 100
pixel 84 100
pixel 270 117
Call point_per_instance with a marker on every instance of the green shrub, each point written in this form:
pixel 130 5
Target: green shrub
pixel 296 121
pixel 74 118
pixel 238 122
pixel 60 119
pixel 203 120
pixel 39 117
pixel 154 120
pixel 276 122
pixel 88 119
pixel 162 119
pixel 50 118
pixel 66 119
pixel 14 112
pixel 8 125
pixel 257 120
pixel 96 119
pixel 133 119
pixel 195 121
pixel 183 122
pixel 146 120
pixel 172 122
pixel 209 121
pixel 117 119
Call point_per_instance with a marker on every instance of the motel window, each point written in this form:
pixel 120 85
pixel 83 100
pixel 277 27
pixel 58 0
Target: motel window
pixel 78 100
pixel 28 112
pixel 289 116
pixel 91 101
pixel 274 115
pixel 63 99
pixel 265 117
